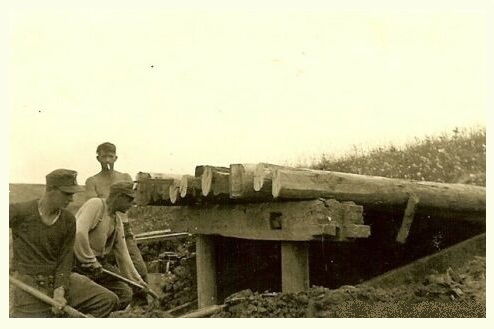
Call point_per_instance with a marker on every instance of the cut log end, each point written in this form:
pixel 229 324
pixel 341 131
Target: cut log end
pixel 206 181
pixel 184 184
pixel 259 174
pixel 276 184
pixel 174 191
pixel 236 172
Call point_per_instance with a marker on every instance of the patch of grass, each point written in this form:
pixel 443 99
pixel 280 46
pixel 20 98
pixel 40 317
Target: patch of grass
pixel 455 157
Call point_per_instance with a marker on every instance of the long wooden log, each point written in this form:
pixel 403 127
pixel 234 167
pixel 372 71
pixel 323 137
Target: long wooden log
pixel 174 191
pixel 242 183
pixel 190 186
pixel 263 175
pixel 214 179
pixel 162 188
pixel 154 188
pixel 437 200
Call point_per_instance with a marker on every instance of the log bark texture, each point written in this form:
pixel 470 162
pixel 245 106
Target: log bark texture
pixel 263 175
pixel 442 200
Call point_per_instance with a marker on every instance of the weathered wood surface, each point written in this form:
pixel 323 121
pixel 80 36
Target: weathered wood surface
pixel 263 176
pixel 190 186
pixel 153 191
pixel 242 183
pixel 214 180
pixel 147 175
pixel 174 191
pixel 288 221
pixel 294 266
pixel 155 188
pixel 206 271
pixel 408 217
pixel 437 200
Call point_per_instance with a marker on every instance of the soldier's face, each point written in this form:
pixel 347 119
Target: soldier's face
pixel 60 199
pixel 124 203
pixel 107 159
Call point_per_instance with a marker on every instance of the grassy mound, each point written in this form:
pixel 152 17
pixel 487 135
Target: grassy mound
pixel 456 157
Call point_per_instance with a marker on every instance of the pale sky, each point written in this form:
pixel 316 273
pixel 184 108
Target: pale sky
pixel 178 88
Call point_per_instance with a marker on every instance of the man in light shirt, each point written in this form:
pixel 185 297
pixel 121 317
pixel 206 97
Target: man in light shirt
pixel 100 232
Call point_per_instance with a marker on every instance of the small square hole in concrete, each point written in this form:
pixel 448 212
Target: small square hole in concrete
pixel 275 220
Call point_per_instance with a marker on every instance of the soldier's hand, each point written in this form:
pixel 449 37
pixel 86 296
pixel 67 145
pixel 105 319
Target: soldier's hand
pixel 144 285
pixel 59 297
pixel 96 270
pixel 92 270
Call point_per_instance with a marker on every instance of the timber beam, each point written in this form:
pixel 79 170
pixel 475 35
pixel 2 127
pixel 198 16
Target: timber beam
pixel 287 221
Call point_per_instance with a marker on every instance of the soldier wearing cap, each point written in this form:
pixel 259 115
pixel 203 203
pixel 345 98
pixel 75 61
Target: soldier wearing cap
pixel 43 234
pixel 99 233
pixel 98 186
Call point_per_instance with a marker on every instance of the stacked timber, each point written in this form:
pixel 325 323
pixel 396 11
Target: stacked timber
pixel 262 182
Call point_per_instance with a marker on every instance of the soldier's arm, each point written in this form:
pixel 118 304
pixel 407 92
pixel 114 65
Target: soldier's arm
pixel 86 217
pixel 91 188
pixel 66 257
pixel 122 256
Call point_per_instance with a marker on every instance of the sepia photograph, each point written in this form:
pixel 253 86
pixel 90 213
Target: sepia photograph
pixel 247 159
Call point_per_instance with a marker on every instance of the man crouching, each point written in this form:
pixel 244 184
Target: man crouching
pixel 100 232
pixel 43 234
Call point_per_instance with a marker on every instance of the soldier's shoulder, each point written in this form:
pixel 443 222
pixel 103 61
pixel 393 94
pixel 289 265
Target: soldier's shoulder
pixel 122 176
pixel 93 203
pixel 91 179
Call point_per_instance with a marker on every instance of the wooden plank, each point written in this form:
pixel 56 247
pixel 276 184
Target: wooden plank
pixel 206 271
pixel 294 266
pixel 408 216
pixel 287 221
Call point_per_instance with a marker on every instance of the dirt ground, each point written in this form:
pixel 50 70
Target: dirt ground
pixel 456 293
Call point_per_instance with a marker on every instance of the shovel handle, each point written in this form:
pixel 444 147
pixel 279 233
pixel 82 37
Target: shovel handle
pixel 132 283
pixel 72 312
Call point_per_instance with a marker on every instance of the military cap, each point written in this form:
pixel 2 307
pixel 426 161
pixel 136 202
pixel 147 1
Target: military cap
pixel 126 188
pixel 65 180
